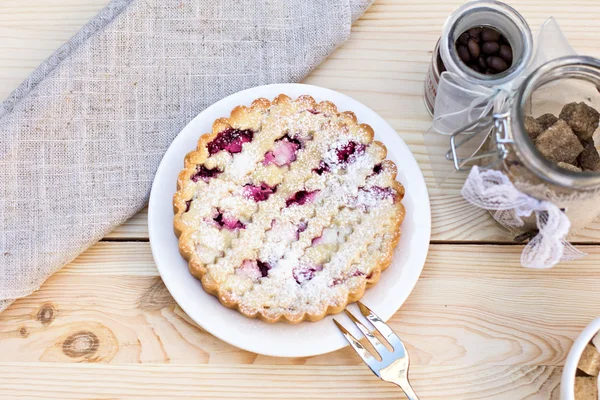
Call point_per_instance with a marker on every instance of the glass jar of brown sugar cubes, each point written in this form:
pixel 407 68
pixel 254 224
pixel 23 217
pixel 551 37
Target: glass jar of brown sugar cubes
pixel 549 148
pixel 486 43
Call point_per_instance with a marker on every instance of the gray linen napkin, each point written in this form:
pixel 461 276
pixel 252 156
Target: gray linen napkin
pixel 81 138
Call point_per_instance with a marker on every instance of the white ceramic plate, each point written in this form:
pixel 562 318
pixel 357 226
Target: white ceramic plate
pixel 281 339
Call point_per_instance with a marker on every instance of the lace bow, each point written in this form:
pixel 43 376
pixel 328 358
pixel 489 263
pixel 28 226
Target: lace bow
pixel 492 190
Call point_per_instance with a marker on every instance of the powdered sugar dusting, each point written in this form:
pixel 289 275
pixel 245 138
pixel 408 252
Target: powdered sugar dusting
pixel 242 164
pixel 307 244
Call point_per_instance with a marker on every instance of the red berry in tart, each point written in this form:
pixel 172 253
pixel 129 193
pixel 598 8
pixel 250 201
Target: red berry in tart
pixel 226 221
pixel 283 153
pixel 204 173
pixel 301 197
pixel 230 140
pixel 260 192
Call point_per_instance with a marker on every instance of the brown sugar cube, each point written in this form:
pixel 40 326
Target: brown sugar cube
pixel 559 143
pixel 546 120
pixel 570 167
pixel 590 361
pixel 589 159
pixel 582 118
pixel 596 341
pixel 586 388
pixel 532 127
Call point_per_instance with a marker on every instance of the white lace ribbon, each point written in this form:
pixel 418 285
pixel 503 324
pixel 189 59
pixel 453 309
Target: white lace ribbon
pixel 492 190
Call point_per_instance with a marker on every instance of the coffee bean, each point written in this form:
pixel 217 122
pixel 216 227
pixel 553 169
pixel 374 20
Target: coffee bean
pixel 484 50
pixel 506 53
pixel 463 53
pixel 473 48
pixel 490 35
pixel 474 32
pixel 481 62
pixel 490 48
pixel 497 64
pixel 463 39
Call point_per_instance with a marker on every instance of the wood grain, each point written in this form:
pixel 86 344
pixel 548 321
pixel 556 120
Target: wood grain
pixel 205 382
pixel 477 325
pixel 472 306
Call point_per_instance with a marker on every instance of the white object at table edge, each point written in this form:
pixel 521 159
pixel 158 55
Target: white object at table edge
pixel 567 382
pixel 281 339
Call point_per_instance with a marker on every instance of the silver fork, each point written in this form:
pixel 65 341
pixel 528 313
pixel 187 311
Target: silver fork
pixel 393 366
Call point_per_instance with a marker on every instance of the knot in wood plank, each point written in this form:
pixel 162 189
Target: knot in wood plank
pixel 81 344
pixel 23 332
pixel 46 314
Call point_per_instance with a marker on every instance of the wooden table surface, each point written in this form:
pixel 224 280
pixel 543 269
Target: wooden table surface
pixel 477 325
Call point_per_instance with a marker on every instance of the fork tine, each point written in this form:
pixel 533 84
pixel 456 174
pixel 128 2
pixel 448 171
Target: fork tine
pixel 379 347
pixel 360 350
pixel 382 327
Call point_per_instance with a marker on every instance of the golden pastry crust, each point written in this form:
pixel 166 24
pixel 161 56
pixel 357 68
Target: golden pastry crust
pixel 288 211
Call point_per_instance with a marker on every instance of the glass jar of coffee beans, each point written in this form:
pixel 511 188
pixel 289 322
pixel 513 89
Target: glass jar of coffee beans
pixel 487 43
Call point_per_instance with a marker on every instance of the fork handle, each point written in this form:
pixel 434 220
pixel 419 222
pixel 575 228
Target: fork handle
pixel 408 390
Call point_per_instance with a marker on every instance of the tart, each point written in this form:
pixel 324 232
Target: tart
pixel 288 210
